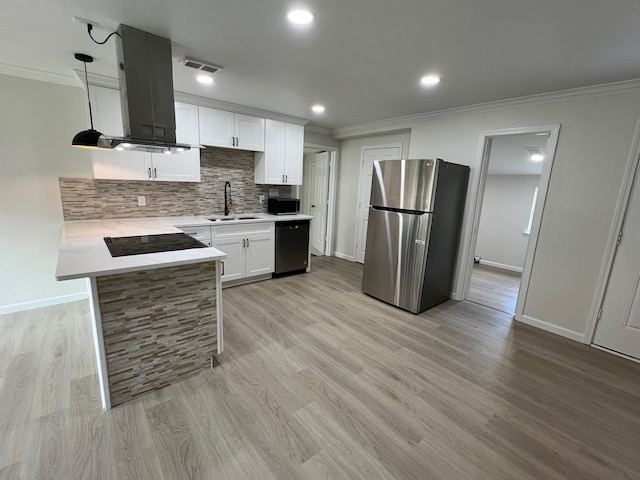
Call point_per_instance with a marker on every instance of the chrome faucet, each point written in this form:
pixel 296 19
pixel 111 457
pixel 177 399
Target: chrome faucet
pixel 227 198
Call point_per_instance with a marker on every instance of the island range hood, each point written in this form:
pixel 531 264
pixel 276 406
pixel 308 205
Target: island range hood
pixel 145 75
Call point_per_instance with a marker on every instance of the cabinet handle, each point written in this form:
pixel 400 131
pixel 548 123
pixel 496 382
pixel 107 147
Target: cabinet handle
pixel 149 172
pixel 247 243
pixel 286 178
pixel 155 173
pixel 282 178
pixel 237 142
pixel 222 268
pixel 243 245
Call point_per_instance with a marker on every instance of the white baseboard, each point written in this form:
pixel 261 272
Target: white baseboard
pixel 344 256
pixel 550 327
pixel 501 266
pixel 44 302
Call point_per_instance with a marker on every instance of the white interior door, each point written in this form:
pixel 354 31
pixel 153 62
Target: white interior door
pixel 619 325
pixel 318 196
pixel 369 155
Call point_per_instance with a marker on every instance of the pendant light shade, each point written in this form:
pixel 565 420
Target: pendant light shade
pixel 91 138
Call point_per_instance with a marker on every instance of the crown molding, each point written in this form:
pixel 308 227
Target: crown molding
pixel 318 130
pixel 234 107
pixel 41 75
pixel 402 123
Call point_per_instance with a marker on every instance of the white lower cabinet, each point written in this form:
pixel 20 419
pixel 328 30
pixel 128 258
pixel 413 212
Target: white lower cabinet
pixel 250 249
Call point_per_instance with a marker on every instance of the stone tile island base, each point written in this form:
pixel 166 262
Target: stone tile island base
pixel 154 327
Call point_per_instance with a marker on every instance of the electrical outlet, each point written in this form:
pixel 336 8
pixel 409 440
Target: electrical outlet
pixel 142 201
pixel 261 197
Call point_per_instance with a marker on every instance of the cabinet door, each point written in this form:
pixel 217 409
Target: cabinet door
pixel 216 127
pixel 249 132
pixel 107 118
pixel 260 255
pixel 233 265
pixel 177 167
pixel 294 150
pixel 187 124
pixel 272 161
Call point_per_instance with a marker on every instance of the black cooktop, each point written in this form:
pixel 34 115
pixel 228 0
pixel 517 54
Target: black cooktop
pixel 167 242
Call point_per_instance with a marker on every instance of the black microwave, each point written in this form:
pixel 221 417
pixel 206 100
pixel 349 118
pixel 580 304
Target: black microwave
pixel 283 206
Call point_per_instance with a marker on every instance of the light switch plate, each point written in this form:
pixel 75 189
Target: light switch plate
pixel 261 198
pixel 142 201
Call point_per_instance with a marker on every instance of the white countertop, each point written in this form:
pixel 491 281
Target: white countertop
pixel 83 252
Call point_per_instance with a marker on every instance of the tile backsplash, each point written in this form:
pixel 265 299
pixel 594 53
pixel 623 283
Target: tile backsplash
pixel 88 198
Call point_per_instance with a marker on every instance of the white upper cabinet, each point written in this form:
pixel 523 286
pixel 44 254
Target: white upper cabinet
pixel 107 118
pixel 281 161
pixel 132 165
pixel 230 130
pixel 187 130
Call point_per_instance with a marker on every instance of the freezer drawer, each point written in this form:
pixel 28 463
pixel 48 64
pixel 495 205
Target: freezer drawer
pixel 395 259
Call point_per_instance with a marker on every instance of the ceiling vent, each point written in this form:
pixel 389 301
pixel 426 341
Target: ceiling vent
pixel 200 65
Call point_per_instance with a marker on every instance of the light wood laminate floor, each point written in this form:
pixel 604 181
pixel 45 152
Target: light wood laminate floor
pixel 494 288
pixel 319 381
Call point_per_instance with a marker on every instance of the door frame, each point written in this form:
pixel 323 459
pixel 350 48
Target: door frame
pixel 362 150
pixel 617 224
pixel 471 237
pixel 334 155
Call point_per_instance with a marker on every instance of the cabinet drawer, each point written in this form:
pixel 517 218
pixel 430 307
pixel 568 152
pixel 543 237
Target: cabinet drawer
pixel 202 234
pixel 244 229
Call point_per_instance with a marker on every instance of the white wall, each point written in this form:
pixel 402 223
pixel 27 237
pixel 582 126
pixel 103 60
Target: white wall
pixel 348 185
pixel 593 149
pixel 506 208
pixel 37 124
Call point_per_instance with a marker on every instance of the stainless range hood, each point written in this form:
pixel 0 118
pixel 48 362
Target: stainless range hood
pixel 145 75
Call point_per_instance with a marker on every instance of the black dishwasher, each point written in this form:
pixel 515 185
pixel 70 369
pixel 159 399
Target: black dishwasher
pixel 292 246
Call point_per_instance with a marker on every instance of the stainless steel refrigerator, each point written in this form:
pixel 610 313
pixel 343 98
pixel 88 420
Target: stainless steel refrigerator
pixel 413 231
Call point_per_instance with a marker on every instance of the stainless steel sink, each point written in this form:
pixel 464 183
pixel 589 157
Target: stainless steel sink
pixel 228 219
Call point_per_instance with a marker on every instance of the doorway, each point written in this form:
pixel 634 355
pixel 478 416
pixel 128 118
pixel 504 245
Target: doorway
pixel 368 156
pixel 514 172
pixel 317 195
pixel 615 323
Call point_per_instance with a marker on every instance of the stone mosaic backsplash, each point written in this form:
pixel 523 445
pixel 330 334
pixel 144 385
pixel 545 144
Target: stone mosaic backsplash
pixel 87 198
pixel 159 327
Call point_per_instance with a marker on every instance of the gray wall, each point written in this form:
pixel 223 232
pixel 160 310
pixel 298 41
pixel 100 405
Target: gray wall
pixel 506 208
pixel 593 150
pixel 37 124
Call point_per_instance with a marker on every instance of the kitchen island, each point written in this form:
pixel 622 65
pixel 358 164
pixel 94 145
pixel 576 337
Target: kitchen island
pixel 157 317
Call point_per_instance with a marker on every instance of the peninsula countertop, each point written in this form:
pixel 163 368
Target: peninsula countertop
pixel 83 252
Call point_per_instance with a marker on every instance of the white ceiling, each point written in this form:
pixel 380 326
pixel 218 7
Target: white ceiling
pixel 509 157
pixel 361 58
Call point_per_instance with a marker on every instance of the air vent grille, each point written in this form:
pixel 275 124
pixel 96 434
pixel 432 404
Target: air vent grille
pixel 200 65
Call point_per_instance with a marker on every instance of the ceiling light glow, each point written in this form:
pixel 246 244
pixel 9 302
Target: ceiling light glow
pixel 205 79
pixel 300 17
pixel 318 108
pixel 126 145
pixel 430 80
pixel 119 148
pixel 536 157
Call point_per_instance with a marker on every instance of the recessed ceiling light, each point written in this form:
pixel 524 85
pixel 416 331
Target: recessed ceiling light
pixel 126 145
pixel 300 17
pixel 205 79
pixel 179 149
pixel 318 108
pixel 167 152
pixel 119 148
pixel 535 154
pixel 430 80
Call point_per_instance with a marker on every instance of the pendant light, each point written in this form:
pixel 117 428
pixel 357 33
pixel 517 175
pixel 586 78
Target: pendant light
pixel 91 138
